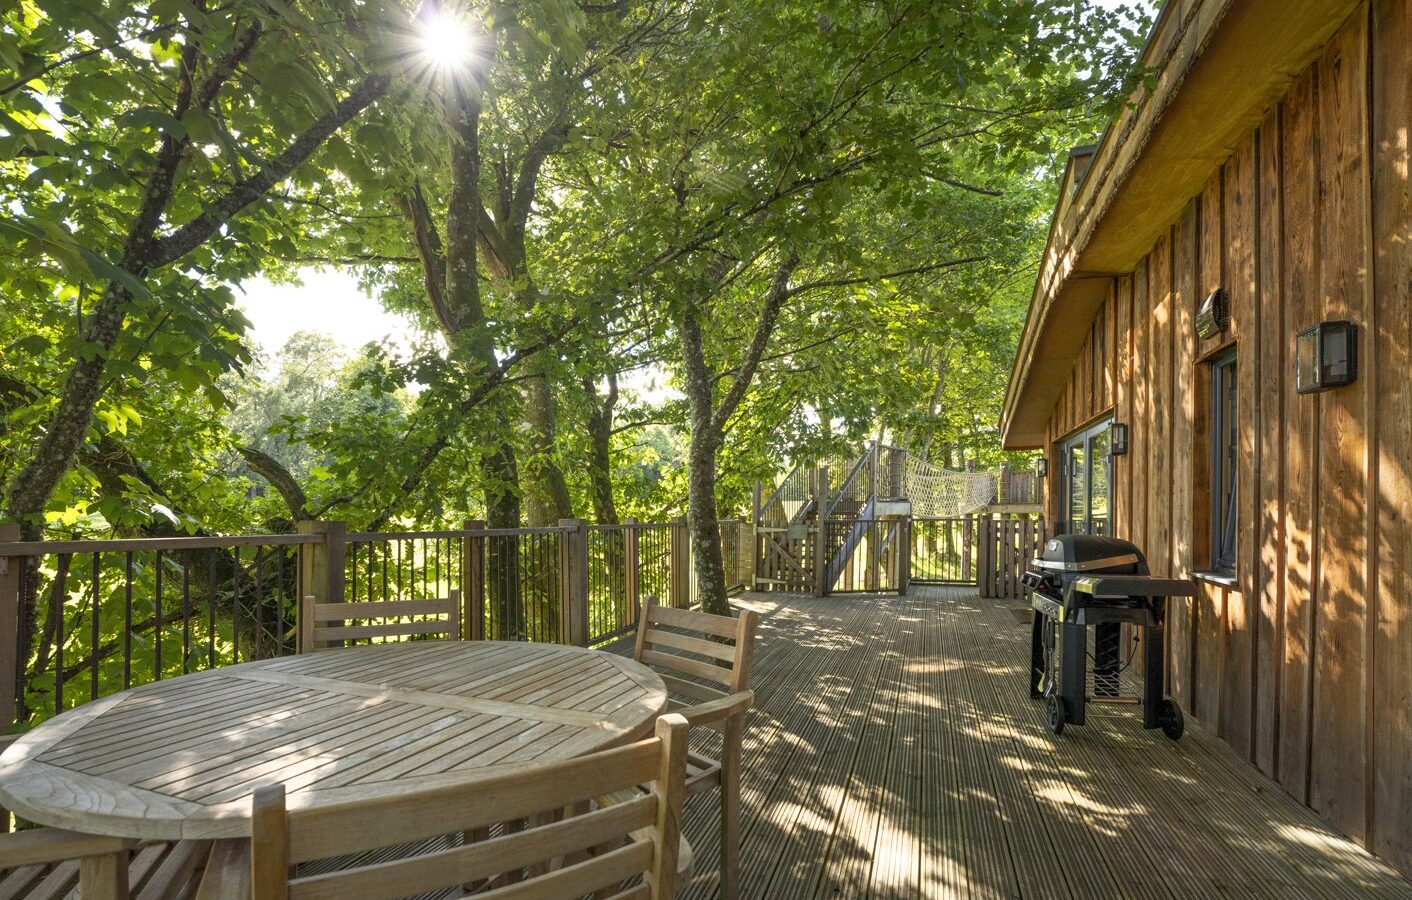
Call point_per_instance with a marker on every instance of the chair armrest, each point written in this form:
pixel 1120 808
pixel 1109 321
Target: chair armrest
pixel 43 846
pixel 718 710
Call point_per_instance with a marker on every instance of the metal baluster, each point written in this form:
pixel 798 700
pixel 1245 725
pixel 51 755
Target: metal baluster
pixel 61 578
pixel 259 601
pixel 94 634
pixel 281 628
pixel 157 618
pixel 185 611
pixel 211 608
pixel 127 620
pixel 235 608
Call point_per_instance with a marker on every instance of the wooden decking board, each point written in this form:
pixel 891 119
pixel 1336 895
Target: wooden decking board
pixel 854 845
pixel 895 868
pixel 894 753
pixel 812 783
pixel 1043 848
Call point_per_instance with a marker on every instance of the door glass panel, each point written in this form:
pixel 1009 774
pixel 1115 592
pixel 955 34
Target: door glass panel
pixel 1098 460
pixel 1078 487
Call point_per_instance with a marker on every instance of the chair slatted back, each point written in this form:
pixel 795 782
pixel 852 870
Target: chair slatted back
pixel 325 624
pixel 697 655
pixel 563 845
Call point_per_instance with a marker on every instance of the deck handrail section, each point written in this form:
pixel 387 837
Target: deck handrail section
pixel 116 613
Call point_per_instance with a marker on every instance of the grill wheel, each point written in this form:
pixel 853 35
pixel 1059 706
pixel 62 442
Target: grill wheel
pixel 1057 713
pixel 1170 717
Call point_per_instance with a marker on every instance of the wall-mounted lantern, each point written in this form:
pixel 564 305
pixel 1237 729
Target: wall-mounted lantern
pixel 1041 467
pixel 1214 314
pixel 1325 356
pixel 1118 439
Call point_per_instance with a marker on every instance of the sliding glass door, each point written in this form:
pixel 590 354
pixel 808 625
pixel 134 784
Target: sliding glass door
pixel 1088 470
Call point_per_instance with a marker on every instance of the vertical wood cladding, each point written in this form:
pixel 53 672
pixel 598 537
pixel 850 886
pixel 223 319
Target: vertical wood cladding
pixel 1304 663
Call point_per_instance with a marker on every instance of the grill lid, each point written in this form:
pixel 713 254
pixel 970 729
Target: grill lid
pixel 1089 553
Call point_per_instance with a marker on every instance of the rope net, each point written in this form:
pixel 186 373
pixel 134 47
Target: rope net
pixel 937 493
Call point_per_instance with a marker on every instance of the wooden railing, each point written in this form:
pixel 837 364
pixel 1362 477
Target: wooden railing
pixel 117 613
pixel 1006 545
pixel 987 551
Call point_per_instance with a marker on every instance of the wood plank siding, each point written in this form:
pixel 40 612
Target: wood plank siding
pixel 1302 663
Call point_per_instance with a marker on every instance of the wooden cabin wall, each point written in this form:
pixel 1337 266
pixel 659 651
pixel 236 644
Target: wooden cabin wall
pixel 1304 664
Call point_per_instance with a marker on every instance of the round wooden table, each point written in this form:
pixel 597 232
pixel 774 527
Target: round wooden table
pixel 180 758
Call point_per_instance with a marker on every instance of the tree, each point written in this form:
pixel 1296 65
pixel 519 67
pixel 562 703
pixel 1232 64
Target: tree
pixel 736 205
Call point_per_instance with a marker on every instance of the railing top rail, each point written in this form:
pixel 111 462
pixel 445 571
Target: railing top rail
pixel 137 545
pixel 453 533
pixel 364 536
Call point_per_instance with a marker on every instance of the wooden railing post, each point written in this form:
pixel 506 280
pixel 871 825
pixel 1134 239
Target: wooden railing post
pixel 746 555
pixel 679 565
pixel 985 552
pixel 321 565
pixel 631 553
pixel 904 551
pixel 10 655
pixel 473 579
pixel 573 625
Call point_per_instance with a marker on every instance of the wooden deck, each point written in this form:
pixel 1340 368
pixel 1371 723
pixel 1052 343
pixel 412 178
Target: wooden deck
pixel 894 753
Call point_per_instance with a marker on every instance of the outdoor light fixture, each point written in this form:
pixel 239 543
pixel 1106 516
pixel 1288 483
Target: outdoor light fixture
pixel 1325 356
pixel 1214 314
pixel 1041 467
pixel 1118 439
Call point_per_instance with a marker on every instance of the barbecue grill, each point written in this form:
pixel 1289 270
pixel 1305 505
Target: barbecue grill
pixel 1082 580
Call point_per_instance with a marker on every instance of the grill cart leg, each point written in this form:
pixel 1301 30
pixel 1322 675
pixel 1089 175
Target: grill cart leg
pixel 1036 653
pixel 1075 662
pixel 1154 676
pixel 1107 640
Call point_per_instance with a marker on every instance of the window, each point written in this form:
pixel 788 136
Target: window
pixel 1087 469
pixel 1223 463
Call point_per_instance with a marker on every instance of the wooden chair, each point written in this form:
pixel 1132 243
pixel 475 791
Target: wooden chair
pixel 695 652
pixel 568 847
pixel 400 618
pixel 51 863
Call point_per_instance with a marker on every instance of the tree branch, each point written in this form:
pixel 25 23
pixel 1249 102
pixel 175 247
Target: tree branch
pixel 247 190
pixel 280 478
pixel 952 182
pixel 769 314
pixel 868 279
pixel 431 254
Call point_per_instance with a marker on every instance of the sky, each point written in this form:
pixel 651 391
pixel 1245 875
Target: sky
pixel 329 301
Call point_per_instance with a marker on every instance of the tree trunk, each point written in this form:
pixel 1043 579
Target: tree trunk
pixel 701 470
pixel 600 453
pixel 702 523
pixel 548 494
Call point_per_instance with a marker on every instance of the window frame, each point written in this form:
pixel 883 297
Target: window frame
pixel 1224 447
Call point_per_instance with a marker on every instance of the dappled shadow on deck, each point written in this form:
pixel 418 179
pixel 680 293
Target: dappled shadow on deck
pixel 894 752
